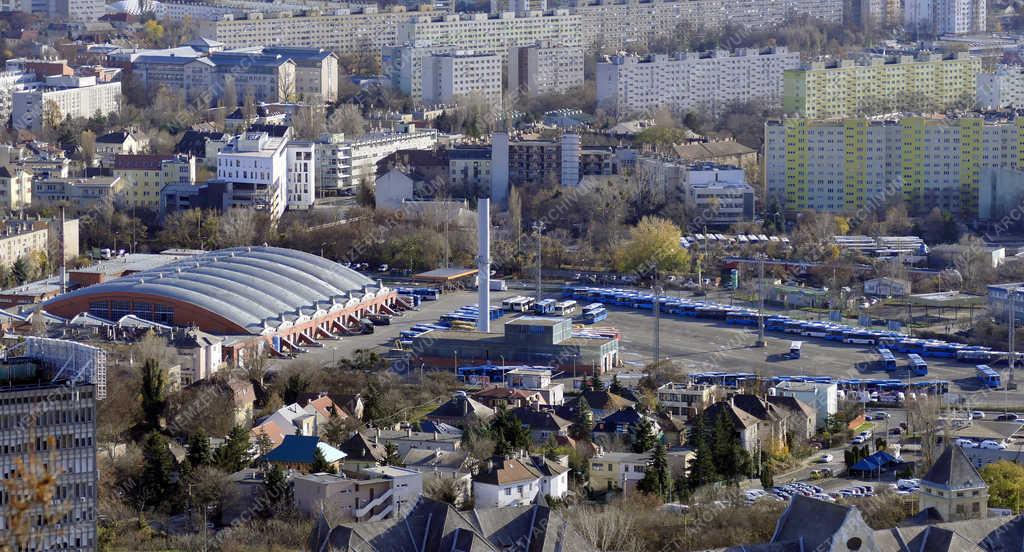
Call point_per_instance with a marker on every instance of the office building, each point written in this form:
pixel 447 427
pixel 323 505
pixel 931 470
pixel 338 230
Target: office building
pixel 691 81
pixel 191 76
pixel 48 425
pixel 944 17
pixel 686 400
pixel 316 71
pixel 142 177
pixel 1002 88
pixel 930 82
pixel 460 75
pixel 255 163
pixel 544 68
pixel 267 78
pixel 846 164
pixel 61 97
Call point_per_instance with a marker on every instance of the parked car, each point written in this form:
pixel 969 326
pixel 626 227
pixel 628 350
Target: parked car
pixel 1008 417
pixel 881 415
pixel 826 459
pixel 858 440
pixel 966 443
pixel 992 445
pixel 977 415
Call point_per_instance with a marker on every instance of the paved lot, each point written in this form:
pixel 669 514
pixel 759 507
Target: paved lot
pixel 699 345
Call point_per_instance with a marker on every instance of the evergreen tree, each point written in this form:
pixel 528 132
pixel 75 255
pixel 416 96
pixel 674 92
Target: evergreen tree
pixel 508 433
pixel 154 400
pixel 158 465
pixel 595 383
pixel 722 445
pixel 391 455
pixel 616 387
pixel 233 455
pixel 275 490
pixel 767 476
pixel 20 271
pixel 199 449
pixel 320 464
pixel 656 478
pixel 644 438
pixel 702 470
pixel 583 425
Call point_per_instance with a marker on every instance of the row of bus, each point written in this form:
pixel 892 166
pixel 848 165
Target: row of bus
pixel 738 379
pixel 892 340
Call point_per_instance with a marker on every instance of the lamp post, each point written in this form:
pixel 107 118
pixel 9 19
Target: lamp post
pixel 538 229
pixel 760 301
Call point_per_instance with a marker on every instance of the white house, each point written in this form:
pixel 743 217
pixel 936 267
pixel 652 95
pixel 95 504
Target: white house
pixel 518 482
pixel 887 287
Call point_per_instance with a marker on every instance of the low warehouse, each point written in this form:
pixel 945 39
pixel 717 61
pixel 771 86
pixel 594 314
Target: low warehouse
pixel 255 295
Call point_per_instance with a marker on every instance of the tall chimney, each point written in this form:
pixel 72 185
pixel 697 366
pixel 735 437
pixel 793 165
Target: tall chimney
pixel 63 256
pixel 483 319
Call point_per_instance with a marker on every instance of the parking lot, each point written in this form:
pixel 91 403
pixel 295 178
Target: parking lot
pixel 696 344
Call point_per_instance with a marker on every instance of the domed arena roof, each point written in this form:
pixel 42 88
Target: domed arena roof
pixel 255 288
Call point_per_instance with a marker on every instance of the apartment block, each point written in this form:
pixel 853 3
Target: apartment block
pixel 142 177
pixel 301 192
pixel 316 71
pixel 358 31
pixel 544 68
pixel 21 237
pixel 845 164
pixel 81 193
pixel 459 74
pixel 15 188
pixel 48 423
pixel 941 17
pixel 686 400
pixel 372 494
pixel 707 81
pixel 345 164
pixel 713 194
pixel 61 97
pixel 11 82
pixel 256 163
pixel 1002 88
pixel 847 88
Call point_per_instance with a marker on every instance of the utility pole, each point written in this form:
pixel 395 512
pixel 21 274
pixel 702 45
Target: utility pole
pixel 1011 357
pixel 657 318
pixel 760 299
pixel 538 229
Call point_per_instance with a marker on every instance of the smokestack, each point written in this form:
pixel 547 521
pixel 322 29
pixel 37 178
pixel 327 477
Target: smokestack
pixel 483 319
pixel 63 256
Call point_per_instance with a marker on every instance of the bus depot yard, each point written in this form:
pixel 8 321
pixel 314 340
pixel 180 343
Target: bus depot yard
pixel 709 345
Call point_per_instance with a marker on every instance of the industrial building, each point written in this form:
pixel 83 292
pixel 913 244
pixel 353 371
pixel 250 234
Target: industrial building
pixel 535 340
pixel 256 295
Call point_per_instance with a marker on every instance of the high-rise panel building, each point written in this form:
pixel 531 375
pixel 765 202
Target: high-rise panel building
pixel 544 68
pixel 459 74
pixel 930 82
pixel 844 165
pixel 688 81
pixel 940 17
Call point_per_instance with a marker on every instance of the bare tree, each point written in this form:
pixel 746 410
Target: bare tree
pixel 347 119
pixel 238 227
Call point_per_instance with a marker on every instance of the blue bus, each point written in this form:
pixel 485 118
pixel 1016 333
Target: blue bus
pixel 544 306
pixel 775 323
pixel 941 349
pixel 918 366
pixel 593 313
pixel 427 294
pixel 888 360
pixel 983 355
pixel 987 376
pixel 483 374
pixel 742 317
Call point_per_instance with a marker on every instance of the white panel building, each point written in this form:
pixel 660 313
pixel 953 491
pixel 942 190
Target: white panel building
pixel 1003 88
pixel 301 174
pixel 257 161
pixel 544 68
pixel 344 164
pixel 450 76
pixel 68 97
pixel 941 17
pixel 693 80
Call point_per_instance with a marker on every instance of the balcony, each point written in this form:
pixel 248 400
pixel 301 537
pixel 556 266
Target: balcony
pixel 369 506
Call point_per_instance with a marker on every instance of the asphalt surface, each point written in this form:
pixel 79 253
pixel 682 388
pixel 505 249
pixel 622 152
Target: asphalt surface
pixel 699 345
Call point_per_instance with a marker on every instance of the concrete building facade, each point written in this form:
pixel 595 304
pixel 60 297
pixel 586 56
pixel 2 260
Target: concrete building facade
pixel 544 68
pixel 63 97
pixel 693 80
pixel 459 74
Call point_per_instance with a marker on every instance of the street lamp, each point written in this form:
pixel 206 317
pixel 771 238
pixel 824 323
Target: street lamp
pixel 760 298
pixel 538 229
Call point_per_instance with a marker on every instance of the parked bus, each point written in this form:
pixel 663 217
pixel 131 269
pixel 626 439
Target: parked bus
pixel 987 376
pixel 918 366
pixel 519 303
pixel 565 308
pixel 888 360
pixel 427 294
pixel 794 350
pixel 976 354
pixel 593 313
pixel 544 306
